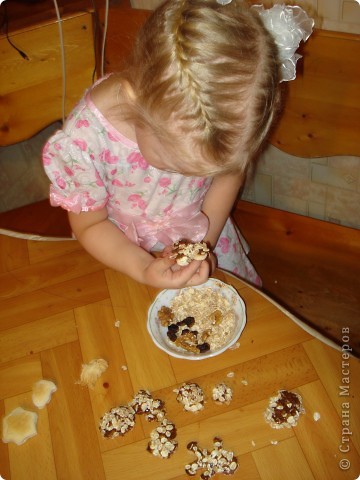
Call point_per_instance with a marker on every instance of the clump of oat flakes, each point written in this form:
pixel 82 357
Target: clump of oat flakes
pixel 198 319
pixel 217 461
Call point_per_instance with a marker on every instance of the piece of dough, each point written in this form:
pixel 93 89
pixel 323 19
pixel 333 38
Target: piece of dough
pixel 185 252
pixel 42 392
pixel 19 425
pixel 92 371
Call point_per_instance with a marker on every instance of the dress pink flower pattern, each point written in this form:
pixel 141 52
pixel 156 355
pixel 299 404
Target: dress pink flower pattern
pixel 91 166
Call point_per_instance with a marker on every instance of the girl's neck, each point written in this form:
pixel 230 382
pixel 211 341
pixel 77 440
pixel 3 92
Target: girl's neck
pixel 108 96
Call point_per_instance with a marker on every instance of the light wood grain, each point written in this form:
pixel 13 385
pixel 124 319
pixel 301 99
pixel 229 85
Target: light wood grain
pixel 61 312
pixel 18 376
pixel 36 460
pixel 277 461
pixel 37 83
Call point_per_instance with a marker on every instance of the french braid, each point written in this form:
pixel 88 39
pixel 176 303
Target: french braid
pixel 213 70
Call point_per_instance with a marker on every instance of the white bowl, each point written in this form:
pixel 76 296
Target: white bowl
pixel 158 333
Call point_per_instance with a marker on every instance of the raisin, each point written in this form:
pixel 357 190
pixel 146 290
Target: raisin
pixel 173 327
pixel 188 321
pixel 172 334
pixel 203 347
pixel 185 331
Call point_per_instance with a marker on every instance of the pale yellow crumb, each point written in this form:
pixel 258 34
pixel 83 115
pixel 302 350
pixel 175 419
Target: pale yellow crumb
pixel 316 416
pixel 42 392
pixel 92 371
pixel 19 425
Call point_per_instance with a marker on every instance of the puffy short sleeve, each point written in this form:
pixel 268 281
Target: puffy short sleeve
pixel 75 176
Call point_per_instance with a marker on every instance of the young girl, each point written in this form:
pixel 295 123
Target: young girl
pixel 158 152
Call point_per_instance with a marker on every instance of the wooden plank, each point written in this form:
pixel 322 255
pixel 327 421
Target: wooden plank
pixel 40 251
pixel 18 376
pixel 74 440
pixel 34 459
pixel 24 82
pixel 321 112
pixel 247 469
pixel 317 128
pixel 238 429
pixel 99 338
pixel 34 277
pixel 52 300
pixel 152 369
pixel 277 461
pixel 312 269
pixel 4 450
pixel 252 341
pixel 320 440
pixel 22 16
pixel 123 25
pixel 340 375
pixel 286 368
pixel 38 218
pixel 14 254
pixel 34 337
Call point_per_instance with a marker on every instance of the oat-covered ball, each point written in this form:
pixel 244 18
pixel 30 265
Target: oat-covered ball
pixel 144 404
pixel 284 409
pixel 191 396
pixel 222 394
pixel 162 440
pixel 118 421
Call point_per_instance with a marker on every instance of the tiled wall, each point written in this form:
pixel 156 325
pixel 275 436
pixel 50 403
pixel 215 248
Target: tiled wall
pixel 325 188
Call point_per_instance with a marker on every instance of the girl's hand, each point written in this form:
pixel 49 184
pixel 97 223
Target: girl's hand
pixel 162 274
pixel 212 261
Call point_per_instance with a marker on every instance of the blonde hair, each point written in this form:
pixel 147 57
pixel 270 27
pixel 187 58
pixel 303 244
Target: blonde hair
pixel 212 71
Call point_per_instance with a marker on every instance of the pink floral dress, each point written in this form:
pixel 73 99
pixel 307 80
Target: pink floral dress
pixel 91 166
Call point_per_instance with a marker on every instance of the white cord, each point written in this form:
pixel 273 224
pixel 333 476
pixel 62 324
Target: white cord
pixel 104 38
pixel 63 62
pixel 30 236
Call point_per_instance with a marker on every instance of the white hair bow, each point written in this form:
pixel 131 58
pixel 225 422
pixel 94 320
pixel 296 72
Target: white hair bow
pixel 288 25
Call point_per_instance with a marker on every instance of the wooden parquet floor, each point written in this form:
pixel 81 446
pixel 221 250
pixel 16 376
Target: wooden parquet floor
pixel 59 309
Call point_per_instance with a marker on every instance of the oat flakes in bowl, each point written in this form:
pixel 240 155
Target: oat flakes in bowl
pixel 199 322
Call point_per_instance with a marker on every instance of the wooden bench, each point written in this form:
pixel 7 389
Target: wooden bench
pixel 309 265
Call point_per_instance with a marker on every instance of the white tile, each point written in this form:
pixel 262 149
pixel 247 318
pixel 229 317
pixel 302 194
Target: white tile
pixel 317 193
pixel 289 204
pixel 319 161
pixel 275 162
pixel 343 206
pixel 263 189
pixel 339 26
pixel 329 9
pixel 350 12
pixel 291 186
pixel 341 172
pixel 317 210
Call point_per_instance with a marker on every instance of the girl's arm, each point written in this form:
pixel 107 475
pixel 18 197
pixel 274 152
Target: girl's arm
pixel 218 203
pixel 105 242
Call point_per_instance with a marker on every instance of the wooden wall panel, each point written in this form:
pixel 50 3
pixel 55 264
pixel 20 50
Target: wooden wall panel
pixel 31 90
